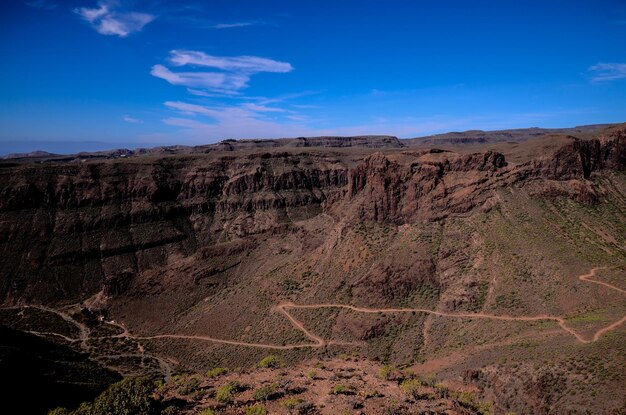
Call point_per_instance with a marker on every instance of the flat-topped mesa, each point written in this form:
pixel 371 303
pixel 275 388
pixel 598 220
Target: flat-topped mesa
pixel 363 141
pixel 366 141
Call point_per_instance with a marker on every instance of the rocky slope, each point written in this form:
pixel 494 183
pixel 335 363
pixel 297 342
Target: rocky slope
pixel 209 244
pixel 72 230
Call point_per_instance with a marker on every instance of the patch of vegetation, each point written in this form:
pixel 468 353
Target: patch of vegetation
pixel 291 285
pixel 412 387
pixel 342 390
pixel 226 393
pixel 590 317
pixel 127 397
pixel 270 362
pixel 469 400
pixel 217 371
pixel 255 410
pixel 386 372
pixel 188 385
pixel 297 406
pixel 267 392
pixel 509 301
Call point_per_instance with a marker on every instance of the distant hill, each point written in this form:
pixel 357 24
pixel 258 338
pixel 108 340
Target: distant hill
pixel 382 142
pixel 516 135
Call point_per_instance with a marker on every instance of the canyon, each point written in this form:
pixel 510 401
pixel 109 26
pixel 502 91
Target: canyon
pixel 197 257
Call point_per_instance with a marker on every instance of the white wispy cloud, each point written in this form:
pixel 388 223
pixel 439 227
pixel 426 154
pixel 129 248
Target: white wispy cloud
pixel 220 82
pixel 244 121
pixel 231 25
pixel 246 64
pixel 262 108
pixel 109 18
pixel 229 75
pixel 240 121
pixel 605 72
pixel 132 120
pixel 243 110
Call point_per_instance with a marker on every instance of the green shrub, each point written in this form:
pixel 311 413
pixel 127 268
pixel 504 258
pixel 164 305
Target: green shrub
pixel 298 406
pixel 411 387
pixel 255 410
pixel 207 411
pixel 188 385
pixel 58 411
pixel 226 393
pixel 266 393
pixel 341 390
pixel 270 361
pixel 127 397
pixel 217 371
pixel 386 372
pixel 291 404
pixel 469 400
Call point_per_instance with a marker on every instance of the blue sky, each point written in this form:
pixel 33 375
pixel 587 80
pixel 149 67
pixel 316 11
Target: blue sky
pixel 87 75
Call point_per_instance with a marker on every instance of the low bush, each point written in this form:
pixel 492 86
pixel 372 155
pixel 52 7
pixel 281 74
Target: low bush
pixel 255 410
pixel 266 393
pixel 342 390
pixel 298 406
pixel 227 392
pixel 411 387
pixel 217 371
pixel 386 372
pixel 188 385
pixel 129 396
pixel 270 361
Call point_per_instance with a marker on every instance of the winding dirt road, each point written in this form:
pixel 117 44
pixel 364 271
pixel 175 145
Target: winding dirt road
pixel 319 342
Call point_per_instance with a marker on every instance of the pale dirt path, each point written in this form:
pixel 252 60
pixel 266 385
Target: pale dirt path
pixel 83 330
pixel 592 273
pixel 319 342
pixel 560 320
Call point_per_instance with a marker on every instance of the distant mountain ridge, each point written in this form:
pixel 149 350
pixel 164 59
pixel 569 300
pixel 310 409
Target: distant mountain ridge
pixel 362 141
pixel 497 136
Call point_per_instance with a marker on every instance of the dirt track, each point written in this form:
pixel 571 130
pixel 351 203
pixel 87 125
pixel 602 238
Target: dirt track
pixel 317 341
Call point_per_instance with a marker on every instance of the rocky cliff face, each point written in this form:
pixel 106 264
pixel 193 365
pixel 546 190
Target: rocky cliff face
pixel 68 230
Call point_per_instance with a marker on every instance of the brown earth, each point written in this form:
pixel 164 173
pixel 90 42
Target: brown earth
pixel 460 262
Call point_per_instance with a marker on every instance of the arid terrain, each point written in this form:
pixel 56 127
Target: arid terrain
pixel 467 273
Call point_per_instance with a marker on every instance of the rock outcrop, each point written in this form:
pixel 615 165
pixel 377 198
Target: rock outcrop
pixel 71 230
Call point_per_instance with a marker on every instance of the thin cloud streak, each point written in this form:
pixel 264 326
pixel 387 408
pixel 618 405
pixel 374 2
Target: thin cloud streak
pixel 231 25
pixel 606 72
pixel 246 64
pixel 229 75
pixel 247 121
pixel 220 82
pixel 132 120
